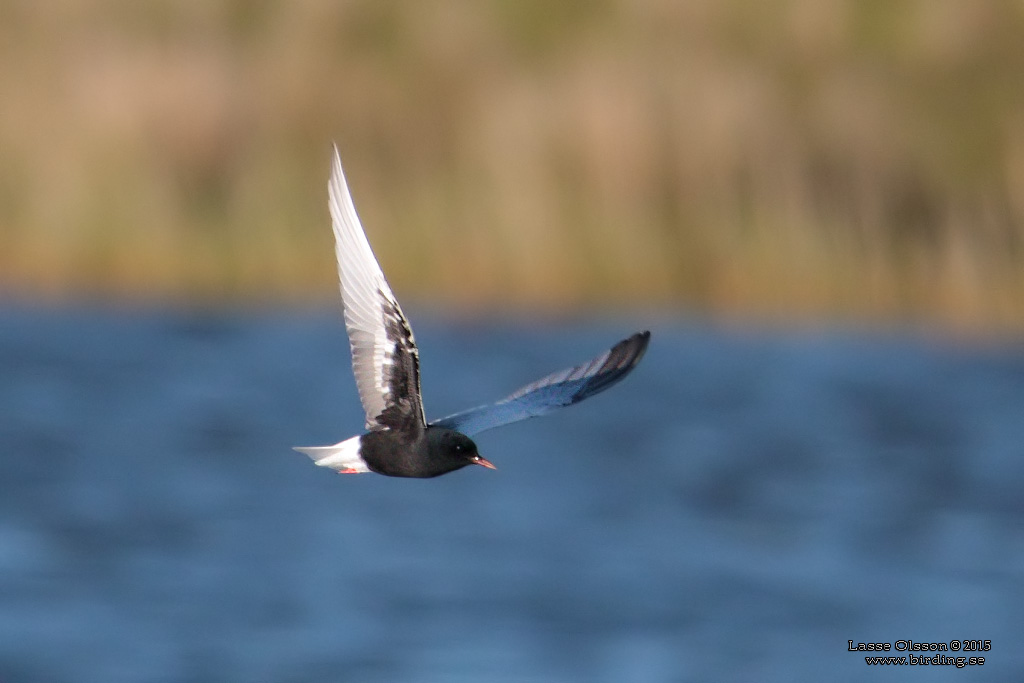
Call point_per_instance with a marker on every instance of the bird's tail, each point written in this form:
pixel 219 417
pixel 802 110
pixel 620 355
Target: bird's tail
pixel 343 457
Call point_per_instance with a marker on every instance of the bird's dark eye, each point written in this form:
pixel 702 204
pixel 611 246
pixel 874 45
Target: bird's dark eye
pixel 458 448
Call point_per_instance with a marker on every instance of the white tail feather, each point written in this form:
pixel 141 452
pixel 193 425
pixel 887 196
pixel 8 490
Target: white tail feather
pixel 343 457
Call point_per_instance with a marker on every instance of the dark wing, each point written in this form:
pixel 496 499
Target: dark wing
pixel 385 361
pixel 559 389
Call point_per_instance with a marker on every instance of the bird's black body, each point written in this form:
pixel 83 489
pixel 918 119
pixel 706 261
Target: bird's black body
pixel 428 453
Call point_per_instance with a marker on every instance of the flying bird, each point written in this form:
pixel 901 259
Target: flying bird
pixel 399 442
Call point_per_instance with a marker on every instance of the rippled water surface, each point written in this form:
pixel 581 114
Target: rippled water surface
pixel 738 509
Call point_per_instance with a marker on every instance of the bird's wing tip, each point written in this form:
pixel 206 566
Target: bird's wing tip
pixel 638 343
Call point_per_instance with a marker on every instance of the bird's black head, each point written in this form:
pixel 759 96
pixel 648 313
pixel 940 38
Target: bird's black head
pixel 453 449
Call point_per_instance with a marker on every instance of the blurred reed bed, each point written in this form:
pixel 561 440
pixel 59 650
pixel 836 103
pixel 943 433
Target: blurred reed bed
pixel 800 158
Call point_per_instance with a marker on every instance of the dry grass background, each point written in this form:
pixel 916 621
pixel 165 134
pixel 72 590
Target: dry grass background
pixel 840 158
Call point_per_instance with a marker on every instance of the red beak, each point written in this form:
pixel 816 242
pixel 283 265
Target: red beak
pixel 478 460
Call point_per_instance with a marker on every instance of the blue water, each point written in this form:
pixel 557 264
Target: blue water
pixel 737 510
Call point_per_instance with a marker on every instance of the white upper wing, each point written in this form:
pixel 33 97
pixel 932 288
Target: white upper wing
pixel 385 361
